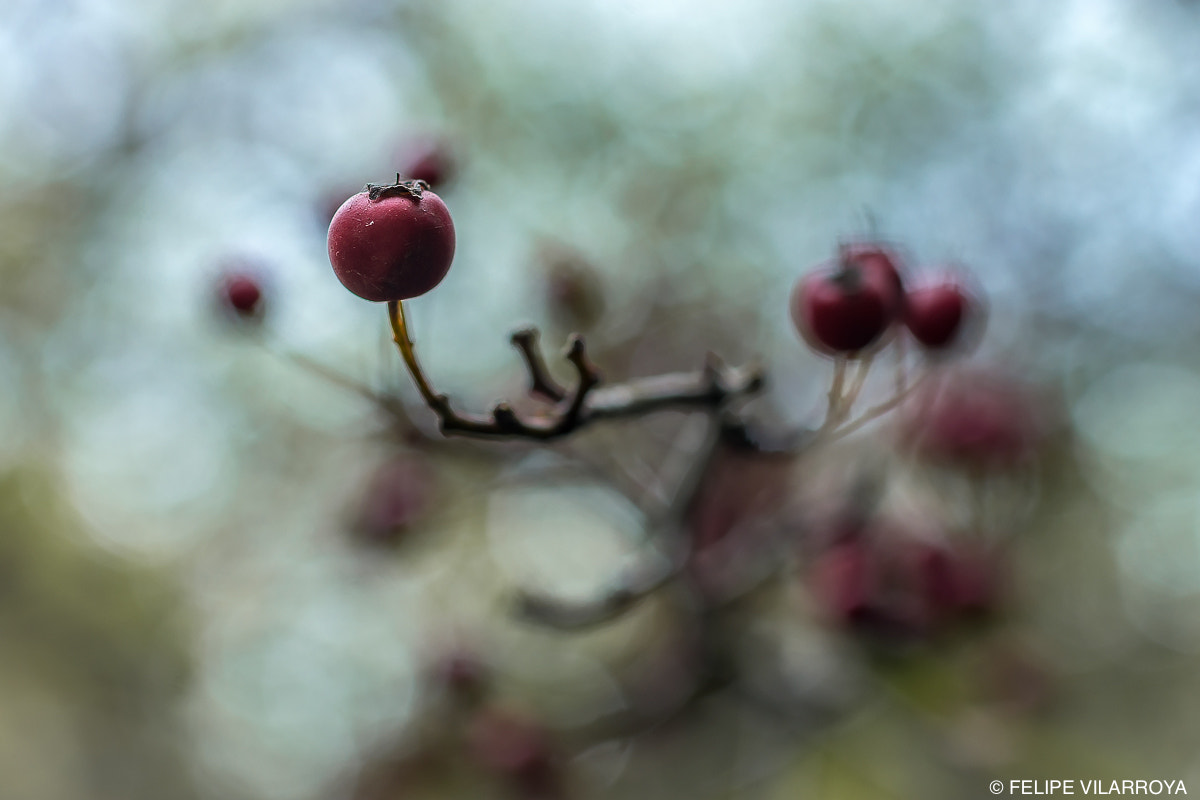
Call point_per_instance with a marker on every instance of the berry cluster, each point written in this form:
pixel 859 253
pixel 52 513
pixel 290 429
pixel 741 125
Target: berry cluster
pixel 732 519
pixel 849 306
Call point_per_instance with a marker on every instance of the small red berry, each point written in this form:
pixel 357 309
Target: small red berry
pixel 240 293
pixel 978 419
pixel 515 747
pixel 391 242
pixel 243 293
pixel 844 308
pixel 397 496
pixel 429 160
pixel 843 582
pixel 936 314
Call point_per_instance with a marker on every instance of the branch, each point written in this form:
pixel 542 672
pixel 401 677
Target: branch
pixel 582 403
pixel 540 380
pixel 565 615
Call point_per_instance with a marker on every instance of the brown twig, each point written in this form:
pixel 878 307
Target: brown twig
pixel 540 380
pixel 582 403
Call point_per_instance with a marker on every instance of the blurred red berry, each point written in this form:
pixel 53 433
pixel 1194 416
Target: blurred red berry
pixel 842 583
pixel 936 314
pixel 391 242
pixel 977 419
pixel 875 257
pixel 844 307
pixel 515 747
pixel 243 294
pixel 239 290
pixel 889 583
pixel 398 494
pixel 427 159
pixel 574 295
pixel 957 582
pixel 464 674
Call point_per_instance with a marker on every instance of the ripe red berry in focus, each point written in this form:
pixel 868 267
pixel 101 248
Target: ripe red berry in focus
pixel 844 308
pixel 391 242
pixel 936 314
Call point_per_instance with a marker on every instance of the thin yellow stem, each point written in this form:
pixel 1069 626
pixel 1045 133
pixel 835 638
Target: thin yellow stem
pixel 876 412
pixel 408 353
pixel 833 412
pixel 860 380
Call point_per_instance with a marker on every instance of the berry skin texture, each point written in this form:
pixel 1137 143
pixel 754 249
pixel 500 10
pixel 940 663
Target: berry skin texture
pixel 935 314
pixel 391 242
pixel 842 309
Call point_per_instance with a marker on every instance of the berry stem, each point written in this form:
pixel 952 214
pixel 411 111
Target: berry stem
pixel 860 380
pixel 875 412
pixel 834 410
pixel 901 365
pixel 409 354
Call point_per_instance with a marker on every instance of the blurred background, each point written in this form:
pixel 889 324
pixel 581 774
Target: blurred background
pixel 224 576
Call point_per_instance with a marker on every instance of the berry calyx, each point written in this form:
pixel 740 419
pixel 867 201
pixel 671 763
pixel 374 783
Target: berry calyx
pixel 844 308
pixel 391 242
pixel 935 314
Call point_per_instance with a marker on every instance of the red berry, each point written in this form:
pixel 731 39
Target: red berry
pixel 241 294
pixel 843 582
pixel 515 747
pixel 428 160
pixel 391 242
pixel 976 418
pixel 935 314
pixel 877 258
pixel 398 495
pixel 844 308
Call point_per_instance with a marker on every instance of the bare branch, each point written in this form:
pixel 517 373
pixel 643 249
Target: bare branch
pixel 582 403
pixel 540 380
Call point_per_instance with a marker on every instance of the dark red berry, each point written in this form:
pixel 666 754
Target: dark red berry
pixel 844 308
pixel 842 582
pixel 975 418
pixel 574 295
pixel 430 160
pixel 514 747
pixel 243 293
pixel 391 242
pixel 877 258
pixel 398 494
pixel 935 314
pixel 240 292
